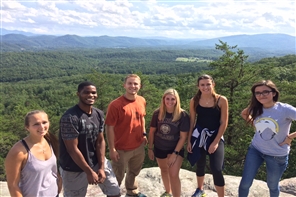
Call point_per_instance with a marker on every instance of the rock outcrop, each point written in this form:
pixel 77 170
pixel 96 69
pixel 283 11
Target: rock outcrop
pixel 150 183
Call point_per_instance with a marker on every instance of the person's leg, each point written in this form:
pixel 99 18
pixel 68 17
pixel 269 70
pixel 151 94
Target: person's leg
pixel 216 165
pixel 74 183
pixel 134 166
pixel 164 171
pixel 110 186
pixel 200 169
pixel 200 174
pixel 119 167
pixel 253 161
pixel 275 167
pixel 174 175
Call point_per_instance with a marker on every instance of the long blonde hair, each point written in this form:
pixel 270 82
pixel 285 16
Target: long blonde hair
pixel 177 111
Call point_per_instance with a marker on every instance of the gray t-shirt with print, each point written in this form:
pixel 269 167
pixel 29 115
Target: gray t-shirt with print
pixel 271 129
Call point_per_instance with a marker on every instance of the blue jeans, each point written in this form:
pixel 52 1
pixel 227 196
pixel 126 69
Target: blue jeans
pixel 275 167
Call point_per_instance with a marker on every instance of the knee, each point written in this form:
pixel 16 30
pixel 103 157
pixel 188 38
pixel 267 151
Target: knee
pixel 244 185
pixel 164 170
pixel 273 186
pixel 174 175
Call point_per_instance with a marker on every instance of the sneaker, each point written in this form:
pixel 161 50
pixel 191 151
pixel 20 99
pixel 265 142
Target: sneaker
pixel 199 193
pixel 136 195
pixel 165 194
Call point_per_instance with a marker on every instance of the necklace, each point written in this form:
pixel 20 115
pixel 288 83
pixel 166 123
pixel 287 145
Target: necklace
pixel 207 101
pixel 43 150
pixel 39 146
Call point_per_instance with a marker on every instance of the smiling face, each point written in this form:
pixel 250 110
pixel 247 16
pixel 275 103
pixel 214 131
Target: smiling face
pixel 88 95
pixel 37 124
pixel 170 102
pixel 132 86
pixel 264 95
pixel 206 86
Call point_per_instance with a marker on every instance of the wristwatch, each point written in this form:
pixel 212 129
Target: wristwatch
pixel 176 152
pixel 145 134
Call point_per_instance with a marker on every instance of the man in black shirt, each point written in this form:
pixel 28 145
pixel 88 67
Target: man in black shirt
pixel 82 147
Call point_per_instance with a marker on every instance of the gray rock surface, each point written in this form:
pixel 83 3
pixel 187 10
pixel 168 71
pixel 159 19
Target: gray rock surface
pixel 150 183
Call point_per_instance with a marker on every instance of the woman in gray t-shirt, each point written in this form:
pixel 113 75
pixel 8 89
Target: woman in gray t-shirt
pixel 272 140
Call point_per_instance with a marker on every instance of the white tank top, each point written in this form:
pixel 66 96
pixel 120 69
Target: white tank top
pixel 39 178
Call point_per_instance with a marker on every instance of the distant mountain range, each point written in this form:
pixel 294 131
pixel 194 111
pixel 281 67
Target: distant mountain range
pixel 279 43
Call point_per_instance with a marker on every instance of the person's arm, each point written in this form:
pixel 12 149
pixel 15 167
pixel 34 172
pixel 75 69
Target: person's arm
pixel 77 156
pixel 291 113
pixel 192 113
pixel 179 146
pixel 101 147
pixel 245 115
pixel 144 131
pixel 288 140
pixel 223 124
pixel 114 156
pixel 291 136
pixel 13 166
pixel 151 142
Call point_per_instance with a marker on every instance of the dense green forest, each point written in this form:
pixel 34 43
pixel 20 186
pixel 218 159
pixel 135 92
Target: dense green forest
pixel 48 80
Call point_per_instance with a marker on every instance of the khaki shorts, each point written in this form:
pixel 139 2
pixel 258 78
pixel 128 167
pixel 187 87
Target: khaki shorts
pixel 75 183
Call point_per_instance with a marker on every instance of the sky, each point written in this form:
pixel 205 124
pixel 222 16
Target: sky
pixel 150 18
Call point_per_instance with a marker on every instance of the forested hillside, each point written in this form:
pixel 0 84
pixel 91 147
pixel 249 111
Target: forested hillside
pixel 48 80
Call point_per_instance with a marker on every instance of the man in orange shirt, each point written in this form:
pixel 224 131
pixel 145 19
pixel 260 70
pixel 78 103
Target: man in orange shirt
pixel 125 129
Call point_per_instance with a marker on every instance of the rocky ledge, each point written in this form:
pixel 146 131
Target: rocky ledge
pixel 150 183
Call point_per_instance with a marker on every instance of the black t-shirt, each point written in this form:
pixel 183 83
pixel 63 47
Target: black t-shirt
pixel 167 133
pixel 75 123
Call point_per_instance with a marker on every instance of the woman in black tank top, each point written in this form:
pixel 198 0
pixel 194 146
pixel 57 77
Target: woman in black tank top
pixel 208 122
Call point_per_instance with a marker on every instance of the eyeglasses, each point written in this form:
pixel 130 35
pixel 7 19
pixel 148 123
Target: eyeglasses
pixel 264 93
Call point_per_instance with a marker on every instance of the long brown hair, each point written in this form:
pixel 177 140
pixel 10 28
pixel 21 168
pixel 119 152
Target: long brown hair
pixel 197 96
pixel 255 108
pixel 49 137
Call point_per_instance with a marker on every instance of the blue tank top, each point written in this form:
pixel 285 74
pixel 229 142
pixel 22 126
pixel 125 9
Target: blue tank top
pixel 39 178
pixel 208 117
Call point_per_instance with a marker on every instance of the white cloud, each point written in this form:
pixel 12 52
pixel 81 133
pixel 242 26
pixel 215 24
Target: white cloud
pixel 150 18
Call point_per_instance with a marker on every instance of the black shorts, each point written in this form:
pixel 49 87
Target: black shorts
pixel 162 154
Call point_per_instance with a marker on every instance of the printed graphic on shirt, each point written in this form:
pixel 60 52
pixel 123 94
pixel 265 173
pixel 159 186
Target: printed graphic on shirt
pixel 165 129
pixel 267 128
pixel 168 129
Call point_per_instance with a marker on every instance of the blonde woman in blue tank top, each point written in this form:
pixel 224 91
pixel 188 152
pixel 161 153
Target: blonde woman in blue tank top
pixel 31 165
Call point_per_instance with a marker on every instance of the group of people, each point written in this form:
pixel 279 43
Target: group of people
pixel 31 164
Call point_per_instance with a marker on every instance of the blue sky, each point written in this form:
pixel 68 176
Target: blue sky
pixel 150 18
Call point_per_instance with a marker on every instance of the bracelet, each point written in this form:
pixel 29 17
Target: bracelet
pixel 289 138
pixel 150 148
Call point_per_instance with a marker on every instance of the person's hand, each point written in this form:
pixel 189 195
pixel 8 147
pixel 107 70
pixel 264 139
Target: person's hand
pixel 92 178
pixel 114 156
pixel 151 154
pixel 101 176
pixel 172 159
pixel 287 141
pixel 213 147
pixel 189 149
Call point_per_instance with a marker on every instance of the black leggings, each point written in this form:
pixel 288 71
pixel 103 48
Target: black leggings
pixel 216 164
